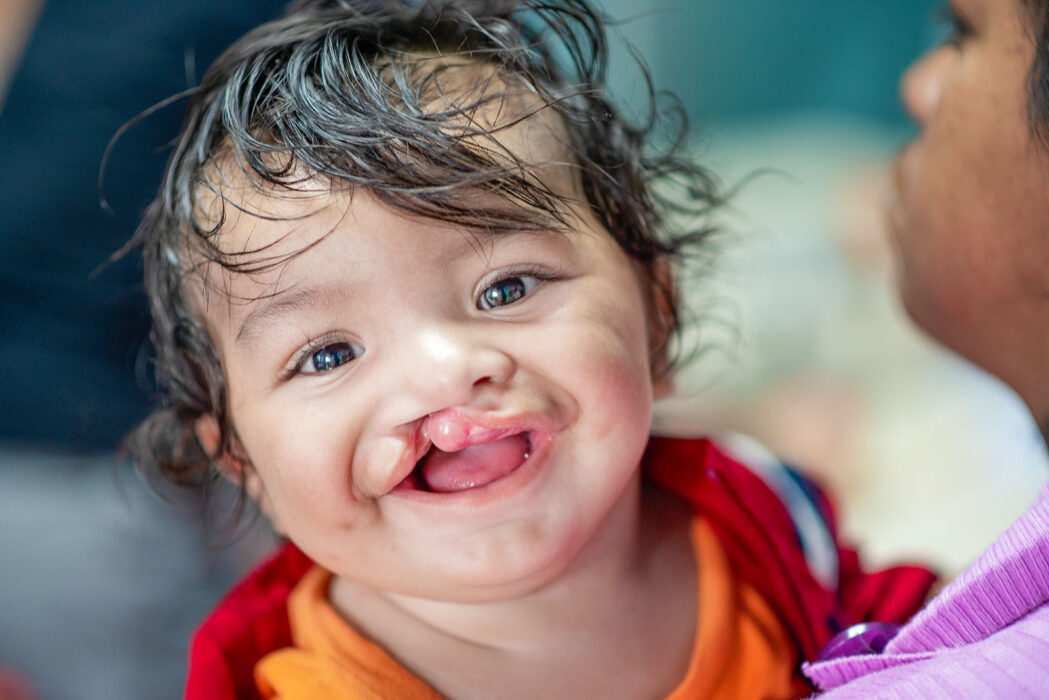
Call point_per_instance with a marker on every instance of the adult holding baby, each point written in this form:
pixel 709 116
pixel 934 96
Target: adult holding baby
pixel 969 214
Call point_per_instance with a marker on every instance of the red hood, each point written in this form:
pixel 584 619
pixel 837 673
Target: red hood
pixel 751 522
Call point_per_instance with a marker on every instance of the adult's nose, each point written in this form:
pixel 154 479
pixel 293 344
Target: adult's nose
pixel 921 86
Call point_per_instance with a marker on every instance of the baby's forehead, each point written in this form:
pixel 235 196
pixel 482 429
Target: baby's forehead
pixel 512 141
pixel 261 230
pixel 516 132
pixel 308 251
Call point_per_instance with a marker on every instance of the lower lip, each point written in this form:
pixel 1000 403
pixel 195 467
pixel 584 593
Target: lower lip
pixel 501 489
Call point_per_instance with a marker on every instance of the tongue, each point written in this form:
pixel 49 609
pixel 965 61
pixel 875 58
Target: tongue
pixel 474 466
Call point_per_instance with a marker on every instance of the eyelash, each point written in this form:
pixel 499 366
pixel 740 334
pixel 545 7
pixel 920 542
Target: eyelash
pixel 541 275
pixel 294 367
pixel 960 29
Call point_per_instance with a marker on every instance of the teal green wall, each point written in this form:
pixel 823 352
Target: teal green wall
pixel 740 59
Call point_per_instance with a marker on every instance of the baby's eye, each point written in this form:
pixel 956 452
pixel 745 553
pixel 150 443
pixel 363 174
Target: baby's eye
pixel 330 357
pixel 506 291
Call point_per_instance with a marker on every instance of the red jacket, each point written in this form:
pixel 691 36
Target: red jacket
pixel 753 524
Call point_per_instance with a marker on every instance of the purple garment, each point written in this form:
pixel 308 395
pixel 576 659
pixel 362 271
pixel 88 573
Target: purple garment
pixel 985 636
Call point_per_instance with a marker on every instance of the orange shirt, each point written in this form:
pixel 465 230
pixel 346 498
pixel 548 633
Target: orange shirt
pixel 741 649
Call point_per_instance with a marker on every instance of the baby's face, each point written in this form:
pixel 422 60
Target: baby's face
pixel 432 411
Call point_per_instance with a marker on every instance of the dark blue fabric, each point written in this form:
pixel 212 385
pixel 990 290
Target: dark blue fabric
pixel 74 370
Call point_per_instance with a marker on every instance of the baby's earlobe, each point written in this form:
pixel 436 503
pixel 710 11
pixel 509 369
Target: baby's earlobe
pixel 209 435
pixel 662 302
pixel 662 386
pixel 234 469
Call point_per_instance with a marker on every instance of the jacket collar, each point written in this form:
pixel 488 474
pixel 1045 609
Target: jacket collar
pixel 1007 582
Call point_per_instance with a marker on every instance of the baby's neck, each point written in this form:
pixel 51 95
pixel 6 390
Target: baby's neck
pixel 619 621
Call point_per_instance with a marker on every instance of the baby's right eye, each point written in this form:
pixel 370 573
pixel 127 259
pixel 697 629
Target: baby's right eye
pixel 330 357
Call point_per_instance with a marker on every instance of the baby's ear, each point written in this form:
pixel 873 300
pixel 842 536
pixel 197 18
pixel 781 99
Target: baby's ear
pixel 662 302
pixel 232 468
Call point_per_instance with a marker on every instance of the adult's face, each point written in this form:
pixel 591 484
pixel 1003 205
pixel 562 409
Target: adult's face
pixel 970 209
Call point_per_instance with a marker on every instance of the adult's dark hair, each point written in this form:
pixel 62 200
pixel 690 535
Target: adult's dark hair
pixel 343 92
pixel 1038 78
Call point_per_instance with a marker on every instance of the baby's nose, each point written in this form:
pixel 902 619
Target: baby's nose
pixel 452 363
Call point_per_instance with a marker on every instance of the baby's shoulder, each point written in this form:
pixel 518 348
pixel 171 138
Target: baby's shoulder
pixel 247 623
pixel 739 485
pixel 779 533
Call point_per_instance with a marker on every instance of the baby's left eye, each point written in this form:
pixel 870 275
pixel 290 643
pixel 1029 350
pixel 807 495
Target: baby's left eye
pixel 329 357
pixel 506 291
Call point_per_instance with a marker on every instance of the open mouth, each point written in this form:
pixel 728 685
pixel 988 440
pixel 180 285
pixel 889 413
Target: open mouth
pixel 472 467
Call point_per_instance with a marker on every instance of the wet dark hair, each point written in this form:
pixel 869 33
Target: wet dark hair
pixel 344 92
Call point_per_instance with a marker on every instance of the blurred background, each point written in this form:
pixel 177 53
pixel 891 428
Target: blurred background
pixel 806 348
pixel 803 344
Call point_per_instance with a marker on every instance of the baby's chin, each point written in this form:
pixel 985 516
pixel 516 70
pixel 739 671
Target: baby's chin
pixel 525 564
pixel 468 586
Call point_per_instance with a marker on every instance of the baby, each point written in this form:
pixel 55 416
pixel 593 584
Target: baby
pixel 413 291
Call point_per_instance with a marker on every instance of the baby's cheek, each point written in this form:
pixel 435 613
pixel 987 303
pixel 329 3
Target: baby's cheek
pixel 294 466
pixel 615 376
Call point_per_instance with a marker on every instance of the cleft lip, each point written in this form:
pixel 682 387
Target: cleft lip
pixel 416 480
pixel 404 474
pixel 483 436
pixel 455 429
pixel 434 473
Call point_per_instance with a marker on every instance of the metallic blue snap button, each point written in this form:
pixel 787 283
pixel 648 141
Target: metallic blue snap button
pixel 864 638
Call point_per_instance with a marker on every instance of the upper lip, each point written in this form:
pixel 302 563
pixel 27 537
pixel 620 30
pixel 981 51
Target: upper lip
pixel 482 428
pixel 416 445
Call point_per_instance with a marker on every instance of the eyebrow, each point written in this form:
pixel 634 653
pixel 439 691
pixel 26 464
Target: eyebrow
pixel 296 300
pixel 277 306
